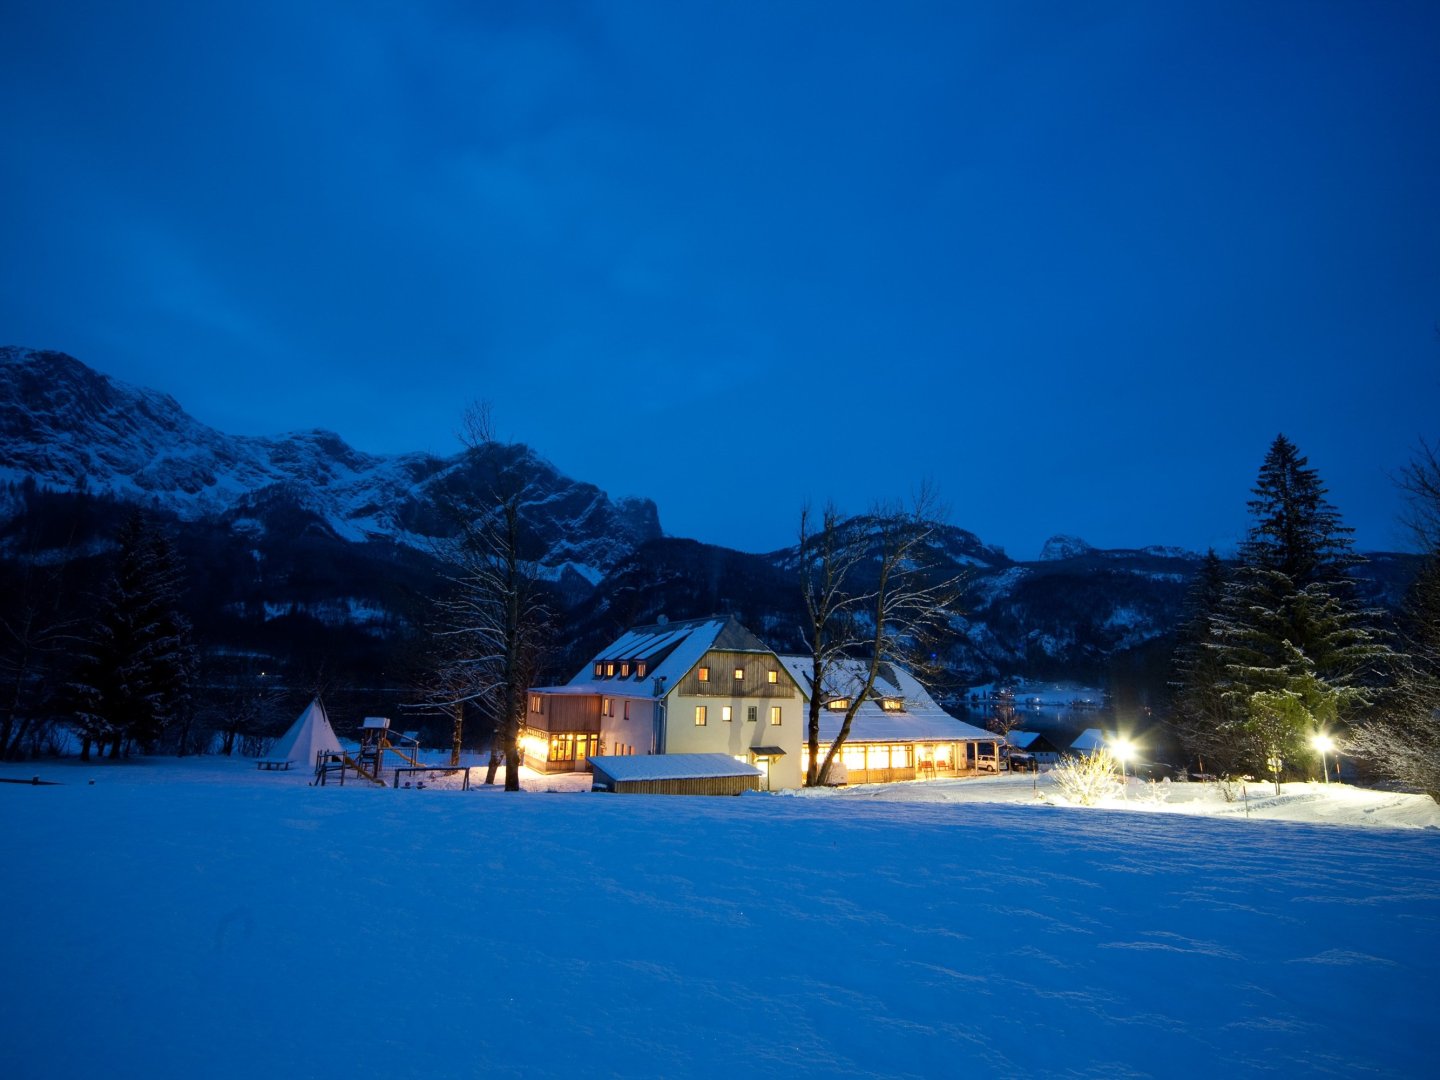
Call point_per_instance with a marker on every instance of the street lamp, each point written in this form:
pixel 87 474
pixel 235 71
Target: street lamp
pixel 1124 750
pixel 1324 744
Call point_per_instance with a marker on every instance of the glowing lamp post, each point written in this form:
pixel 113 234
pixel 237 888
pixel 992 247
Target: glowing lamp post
pixel 1324 744
pixel 1124 751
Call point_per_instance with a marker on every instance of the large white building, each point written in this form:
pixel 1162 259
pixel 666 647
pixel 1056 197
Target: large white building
pixel 702 686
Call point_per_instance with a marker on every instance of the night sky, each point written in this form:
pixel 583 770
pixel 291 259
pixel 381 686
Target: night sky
pixel 1077 264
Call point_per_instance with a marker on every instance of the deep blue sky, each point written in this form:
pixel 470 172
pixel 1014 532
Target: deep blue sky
pixel 1076 264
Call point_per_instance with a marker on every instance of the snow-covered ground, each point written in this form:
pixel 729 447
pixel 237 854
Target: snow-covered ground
pixel 202 919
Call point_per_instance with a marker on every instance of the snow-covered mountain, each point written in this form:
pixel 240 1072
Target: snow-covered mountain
pixel 66 426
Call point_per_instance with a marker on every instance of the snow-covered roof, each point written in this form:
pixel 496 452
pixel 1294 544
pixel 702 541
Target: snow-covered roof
pixel 1022 739
pixel 668 650
pixel 919 719
pixel 671 766
pixel 1090 739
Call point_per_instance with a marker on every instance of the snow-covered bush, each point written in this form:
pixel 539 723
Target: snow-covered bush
pixel 1087 779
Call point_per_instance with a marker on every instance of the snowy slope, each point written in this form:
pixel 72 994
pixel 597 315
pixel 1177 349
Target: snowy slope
pixel 228 922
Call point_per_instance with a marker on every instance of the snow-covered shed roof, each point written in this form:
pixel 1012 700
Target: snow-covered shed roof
pixel 668 650
pixel 670 766
pixel 918 719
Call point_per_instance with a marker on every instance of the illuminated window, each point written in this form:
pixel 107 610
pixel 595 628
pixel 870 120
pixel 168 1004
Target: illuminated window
pixel 609 671
pixel 700 715
pixel 774 714
pixel 704 674
pixel 599 670
pixel 840 704
pixel 537 703
pixel 752 713
pixel 640 669
pixel 725 713
pixel 739 673
pixel 772 676
pixel 608 708
pixel 624 671
pixel 892 704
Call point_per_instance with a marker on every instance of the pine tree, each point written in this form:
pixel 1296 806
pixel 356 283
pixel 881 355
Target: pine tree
pixel 1295 653
pixel 134 677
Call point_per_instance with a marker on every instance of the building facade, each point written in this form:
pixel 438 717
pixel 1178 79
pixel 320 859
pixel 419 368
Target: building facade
pixel 701 686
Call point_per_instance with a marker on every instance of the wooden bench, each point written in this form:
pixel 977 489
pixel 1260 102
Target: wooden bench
pixel 271 766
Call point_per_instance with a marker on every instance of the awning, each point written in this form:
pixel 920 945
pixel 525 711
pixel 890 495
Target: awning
pixel 767 751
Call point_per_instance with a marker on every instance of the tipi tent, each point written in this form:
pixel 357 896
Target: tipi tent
pixel 306 737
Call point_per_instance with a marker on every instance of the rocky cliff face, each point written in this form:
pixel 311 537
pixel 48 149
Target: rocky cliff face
pixel 65 426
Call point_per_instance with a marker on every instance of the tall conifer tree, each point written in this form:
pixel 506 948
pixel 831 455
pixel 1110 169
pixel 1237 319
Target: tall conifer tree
pixel 134 679
pixel 1296 653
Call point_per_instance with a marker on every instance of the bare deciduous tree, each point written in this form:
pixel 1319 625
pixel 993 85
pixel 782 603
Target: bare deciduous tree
pixel 493 617
pixel 872 595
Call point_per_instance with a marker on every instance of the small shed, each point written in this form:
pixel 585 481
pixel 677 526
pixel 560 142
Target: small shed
pixel 674 774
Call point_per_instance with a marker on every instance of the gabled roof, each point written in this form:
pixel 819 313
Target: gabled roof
pixel 669 650
pixel 919 720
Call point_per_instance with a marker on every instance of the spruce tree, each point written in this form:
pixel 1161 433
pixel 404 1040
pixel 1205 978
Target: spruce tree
pixel 134 676
pixel 1296 654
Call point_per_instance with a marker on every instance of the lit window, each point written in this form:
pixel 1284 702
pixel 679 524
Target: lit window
pixel 840 704
pixel 775 714
pixel 772 676
pixel 739 673
pixel 599 670
pixel 704 674
pixel 640 669
pixel 725 713
pixel 609 671
pixel 624 671
pixel 892 704
pixel 608 708
pixel 752 713
pixel 537 703
pixel 700 715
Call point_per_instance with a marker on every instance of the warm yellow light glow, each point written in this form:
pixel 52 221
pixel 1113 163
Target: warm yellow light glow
pixel 1123 749
pixel 1323 743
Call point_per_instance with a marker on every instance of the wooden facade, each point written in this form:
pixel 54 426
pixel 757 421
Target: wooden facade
pixel 698 785
pixel 754 682
pixel 567 725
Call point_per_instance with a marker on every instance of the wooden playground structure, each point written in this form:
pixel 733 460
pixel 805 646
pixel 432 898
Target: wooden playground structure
pixel 369 761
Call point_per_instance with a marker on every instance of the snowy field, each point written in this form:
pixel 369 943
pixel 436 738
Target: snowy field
pixel 200 919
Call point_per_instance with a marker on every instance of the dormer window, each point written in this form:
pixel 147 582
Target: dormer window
pixel 610 671
pixel 892 704
pixel 839 704
pixel 624 671
pixel 703 674
pixel 640 669
pixel 599 670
